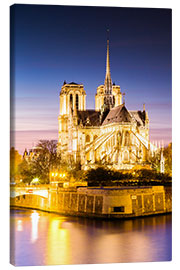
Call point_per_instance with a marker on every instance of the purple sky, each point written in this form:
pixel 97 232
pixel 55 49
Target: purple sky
pixel 50 44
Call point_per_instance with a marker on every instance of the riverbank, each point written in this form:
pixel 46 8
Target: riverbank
pixel 107 202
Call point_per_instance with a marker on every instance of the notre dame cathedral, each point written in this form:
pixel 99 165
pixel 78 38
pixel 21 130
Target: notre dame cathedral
pixel 110 134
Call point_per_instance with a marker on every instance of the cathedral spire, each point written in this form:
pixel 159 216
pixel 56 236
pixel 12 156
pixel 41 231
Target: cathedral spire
pixel 107 58
pixel 108 81
pixel 108 96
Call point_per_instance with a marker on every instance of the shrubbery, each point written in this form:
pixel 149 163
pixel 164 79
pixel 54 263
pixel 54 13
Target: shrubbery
pixel 106 177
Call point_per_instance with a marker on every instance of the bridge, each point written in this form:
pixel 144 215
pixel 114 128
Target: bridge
pixel 42 191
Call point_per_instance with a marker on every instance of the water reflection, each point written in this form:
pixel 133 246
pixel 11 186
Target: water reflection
pixel 34 226
pixel 19 225
pixel 47 239
pixel 57 243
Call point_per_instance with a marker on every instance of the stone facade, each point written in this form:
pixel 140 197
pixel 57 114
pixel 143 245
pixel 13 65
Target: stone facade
pixel 110 134
pixel 120 202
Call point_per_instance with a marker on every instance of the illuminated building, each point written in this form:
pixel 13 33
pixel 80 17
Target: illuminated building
pixel 110 134
pixel 33 153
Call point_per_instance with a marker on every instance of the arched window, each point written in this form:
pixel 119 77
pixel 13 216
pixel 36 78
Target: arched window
pixel 71 100
pixel 119 138
pixel 126 156
pixel 77 102
pixel 87 138
pixel 127 139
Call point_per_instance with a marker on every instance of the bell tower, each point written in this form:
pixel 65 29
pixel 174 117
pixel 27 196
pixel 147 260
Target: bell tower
pixel 72 99
pixel 72 95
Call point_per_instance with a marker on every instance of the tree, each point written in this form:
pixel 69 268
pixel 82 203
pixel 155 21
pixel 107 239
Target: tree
pixel 155 161
pixel 25 171
pixel 141 177
pixel 45 160
pixel 168 158
pixel 102 176
pixel 15 160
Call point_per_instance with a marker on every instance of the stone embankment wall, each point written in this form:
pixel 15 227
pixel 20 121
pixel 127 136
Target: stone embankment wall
pixel 109 202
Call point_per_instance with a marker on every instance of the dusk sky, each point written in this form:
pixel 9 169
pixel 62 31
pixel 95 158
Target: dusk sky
pixel 50 44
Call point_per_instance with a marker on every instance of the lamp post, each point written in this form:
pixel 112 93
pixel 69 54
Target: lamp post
pixel 54 175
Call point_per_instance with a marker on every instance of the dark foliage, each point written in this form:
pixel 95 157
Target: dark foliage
pixel 168 158
pixel 106 177
pixel 26 172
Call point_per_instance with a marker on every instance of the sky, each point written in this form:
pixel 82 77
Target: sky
pixel 50 44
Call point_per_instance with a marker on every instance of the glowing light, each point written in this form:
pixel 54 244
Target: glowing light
pixel 56 174
pixel 35 180
pixel 52 174
pixel 34 231
pixel 66 185
pixel 62 175
pixel 19 226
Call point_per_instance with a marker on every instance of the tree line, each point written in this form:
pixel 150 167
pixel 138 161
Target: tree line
pixel 47 160
pixel 40 164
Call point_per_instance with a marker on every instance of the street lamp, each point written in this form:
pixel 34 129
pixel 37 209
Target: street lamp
pixel 35 181
pixel 57 176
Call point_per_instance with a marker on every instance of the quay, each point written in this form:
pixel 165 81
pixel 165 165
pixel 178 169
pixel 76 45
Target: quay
pixel 101 202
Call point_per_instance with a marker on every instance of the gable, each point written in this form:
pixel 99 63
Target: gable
pixel 118 114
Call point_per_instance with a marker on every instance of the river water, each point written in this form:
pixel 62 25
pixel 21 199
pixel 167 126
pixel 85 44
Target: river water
pixel 40 238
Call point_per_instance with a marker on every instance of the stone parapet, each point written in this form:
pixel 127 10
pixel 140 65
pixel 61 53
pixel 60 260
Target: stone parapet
pixel 111 202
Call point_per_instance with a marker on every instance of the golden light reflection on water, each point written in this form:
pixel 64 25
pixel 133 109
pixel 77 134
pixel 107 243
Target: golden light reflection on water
pixel 19 225
pixel 49 239
pixel 34 226
pixel 57 243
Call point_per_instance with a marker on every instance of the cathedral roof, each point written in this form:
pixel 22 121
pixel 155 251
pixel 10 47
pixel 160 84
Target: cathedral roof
pixel 117 115
pixel 89 118
pixel 138 116
pixel 73 83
